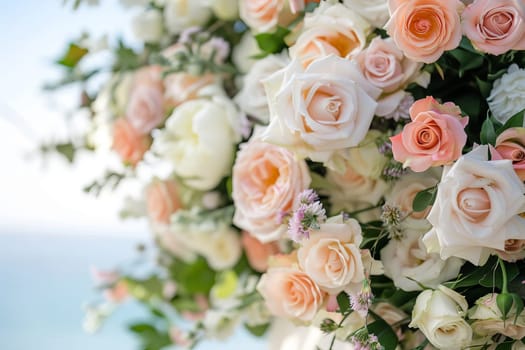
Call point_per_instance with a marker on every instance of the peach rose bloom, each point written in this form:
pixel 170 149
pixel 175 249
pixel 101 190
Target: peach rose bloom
pixel 181 87
pixel 495 26
pixel 424 29
pixel 434 137
pixel 128 142
pixel 264 15
pixel 510 144
pixel 162 200
pixel 332 258
pixel 266 182
pixel 145 108
pixel 258 253
pixel 290 293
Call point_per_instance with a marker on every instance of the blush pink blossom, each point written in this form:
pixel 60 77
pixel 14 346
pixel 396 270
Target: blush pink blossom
pixel 434 137
pixel 162 200
pixel 495 26
pixel 129 143
pixel 510 144
pixel 258 253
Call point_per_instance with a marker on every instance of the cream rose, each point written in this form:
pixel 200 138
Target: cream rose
pixel 331 256
pixel 406 260
pixel 476 209
pixel 266 182
pixel 488 321
pixel 199 140
pixel 374 11
pixel 252 97
pixel 439 314
pixel 147 26
pixel 290 293
pixel 264 15
pixel 320 110
pixel 182 14
pixel 332 29
pixel 244 52
pixel 506 97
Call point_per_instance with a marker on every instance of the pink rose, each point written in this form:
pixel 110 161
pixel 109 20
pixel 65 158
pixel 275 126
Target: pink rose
pixel 162 200
pixel 510 144
pixel 128 142
pixel 332 258
pixel 290 293
pixel 266 182
pixel 434 137
pixel 424 29
pixel 145 108
pixel 495 26
pixel 258 253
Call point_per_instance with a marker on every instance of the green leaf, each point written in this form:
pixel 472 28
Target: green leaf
pixel 468 60
pixel 424 198
pixel 67 150
pixel 386 335
pixel 484 87
pixel 506 345
pixel 193 278
pixel 258 330
pixel 72 56
pixel 272 42
pixel 344 302
pixel 488 133
pixel 516 121
pixel 494 277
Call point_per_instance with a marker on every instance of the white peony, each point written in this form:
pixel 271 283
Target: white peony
pixel 439 314
pixel 321 110
pixel 244 52
pixel 182 14
pixel 476 209
pixel 406 261
pixel 199 140
pixel 508 94
pixel 147 26
pixel 252 97
pixel 375 11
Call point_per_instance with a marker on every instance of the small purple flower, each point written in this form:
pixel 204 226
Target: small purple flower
pixel 186 36
pixel 361 302
pixel 309 215
pixel 308 196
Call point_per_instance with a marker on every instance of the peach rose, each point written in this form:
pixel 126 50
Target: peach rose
pixel 266 182
pixel 510 144
pixel 257 252
pixel 264 15
pixel 145 109
pixel 332 258
pixel 117 293
pixel 434 137
pixel 332 29
pixel 162 200
pixel 181 87
pixel 495 26
pixel 290 293
pixel 424 29
pixel 128 142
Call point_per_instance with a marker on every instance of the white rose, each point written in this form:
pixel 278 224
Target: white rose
pixel 147 26
pixel 476 209
pixel 199 140
pixel 226 10
pixel 439 315
pixel 406 260
pixel 507 98
pixel 332 29
pixel 252 97
pixel 182 14
pixel 320 110
pixel 244 52
pixel 375 11
pixel 403 193
pixel 488 319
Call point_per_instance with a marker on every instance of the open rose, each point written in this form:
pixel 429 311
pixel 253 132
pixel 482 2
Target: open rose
pixel 434 137
pixel 439 314
pixel 495 26
pixel 290 293
pixel 510 144
pixel 264 15
pixel 162 200
pixel 476 209
pixel 128 142
pixel 320 110
pixel 331 256
pixel 424 29
pixel 258 253
pixel 332 29
pixel 374 11
pixel 266 182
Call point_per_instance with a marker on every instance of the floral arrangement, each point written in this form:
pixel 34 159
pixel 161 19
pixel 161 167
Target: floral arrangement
pixel 353 166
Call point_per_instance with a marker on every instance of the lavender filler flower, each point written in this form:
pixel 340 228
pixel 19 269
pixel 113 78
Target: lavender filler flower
pixel 308 216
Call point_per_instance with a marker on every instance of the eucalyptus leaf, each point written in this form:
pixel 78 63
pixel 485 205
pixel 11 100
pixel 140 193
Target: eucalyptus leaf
pixel 424 198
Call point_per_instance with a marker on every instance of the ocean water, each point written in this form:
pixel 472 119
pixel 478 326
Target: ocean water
pixel 45 280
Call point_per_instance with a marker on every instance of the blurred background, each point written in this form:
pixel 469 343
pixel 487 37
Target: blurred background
pixel 51 232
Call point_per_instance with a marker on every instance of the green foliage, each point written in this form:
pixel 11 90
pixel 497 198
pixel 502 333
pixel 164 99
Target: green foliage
pixel 126 58
pixel 151 338
pixel 72 56
pixel 193 278
pixel 424 198
pixel 111 179
pixel 386 335
pixel 343 301
pixel 488 132
pixel 258 330
pixel 272 42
